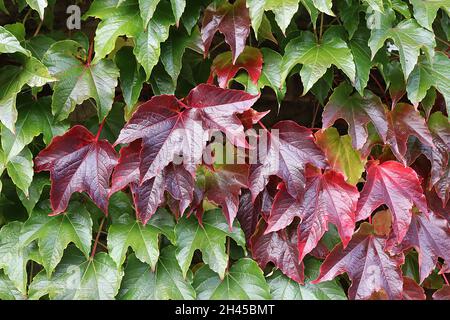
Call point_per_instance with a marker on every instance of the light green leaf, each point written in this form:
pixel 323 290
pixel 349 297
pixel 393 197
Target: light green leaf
pixel 324 6
pixel 166 282
pixel 10 44
pixel 210 239
pixel 271 73
pixel 8 290
pixel 178 9
pixel 147 49
pixel 39 6
pixel 79 81
pixel 54 233
pixel 425 11
pixel 78 278
pixel 147 9
pixel 117 20
pixel 284 288
pixel 20 170
pixel 376 5
pixel 409 38
pixel 12 79
pixel 426 75
pixel 144 240
pixel 317 58
pixel 341 155
pixel 244 281
pixel 40 181
pixel 35 118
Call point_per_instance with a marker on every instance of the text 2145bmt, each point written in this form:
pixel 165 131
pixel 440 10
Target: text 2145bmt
pixel 226 309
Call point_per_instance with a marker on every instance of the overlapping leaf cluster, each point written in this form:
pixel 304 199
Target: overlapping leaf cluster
pixel 96 203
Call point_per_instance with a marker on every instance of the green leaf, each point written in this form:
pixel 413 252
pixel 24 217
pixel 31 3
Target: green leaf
pixel 172 52
pixel 14 257
pixel 362 58
pixel 271 73
pixel 144 240
pixel 209 238
pixel 178 9
pixel 40 181
pixel 79 80
pixel 425 11
pixel 426 74
pixel 376 5
pixel 166 282
pixel 324 6
pixel 117 20
pixel 35 118
pixel 317 58
pixel 10 44
pixel 409 38
pixel 191 15
pixel 147 9
pixel 284 288
pixel 8 290
pixel 39 6
pixel 132 78
pixel 341 154
pixel 244 281
pixel 147 49
pixel 78 278
pixel 12 79
pixel 20 170
pixel 54 233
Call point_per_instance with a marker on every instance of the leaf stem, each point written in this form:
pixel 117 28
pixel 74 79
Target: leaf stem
pixel 100 128
pixel 38 28
pixel 94 248
pixel 321 26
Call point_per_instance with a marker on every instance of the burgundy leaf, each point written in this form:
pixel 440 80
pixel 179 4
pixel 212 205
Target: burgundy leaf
pixel 442 294
pixel 280 248
pixel 180 184
pixel 170 128
pixel 430 236
pixel 411 290
pixel 147 197
pixel 289 148
pixel 251 60
pixel 251 117
pixel 232 20
pixel 395 185
pixel 77 162
pixel 404 121
pixel 357 111
pixel 369 267
pixel 249 213
pixel 223 187
pixel 127 169
pixel 327 199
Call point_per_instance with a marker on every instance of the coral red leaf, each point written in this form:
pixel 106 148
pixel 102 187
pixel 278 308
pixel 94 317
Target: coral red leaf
pixel 77 162
pixel 369 267
pixel 395 185
pixel 280 248
pixel 327 199
pixel 251 60
pixel 442 294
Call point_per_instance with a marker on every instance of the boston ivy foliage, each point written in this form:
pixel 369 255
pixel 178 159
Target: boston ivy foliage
pixel 350 199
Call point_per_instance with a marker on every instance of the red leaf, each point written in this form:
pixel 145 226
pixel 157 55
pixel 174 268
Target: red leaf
pixel 223 187
pixel 280 248
pixel 223 67
pixel 405 121
pixel 232 20
pixel 286 156
pixel 77 162
pixel 327 198
pixel 396 186
pixel 147 197
pixel 430 236
pixel 170 128
pixel 442 294
pixel 249 213
pixel 127 169
pixel 369 267
pixel 411 290
pixel 251 117
pixel 357 111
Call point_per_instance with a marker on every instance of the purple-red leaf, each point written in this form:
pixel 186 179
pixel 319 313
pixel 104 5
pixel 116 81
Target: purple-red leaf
pixel 327 199
pixel 369 267
pixel 430 236
pixel 232 20
pixel 442 294
pixel 395 185
pixel 280 248
pixel 289 148
pixel 411 290
pixel 77 162
pixel 170 128
pixel 251 60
